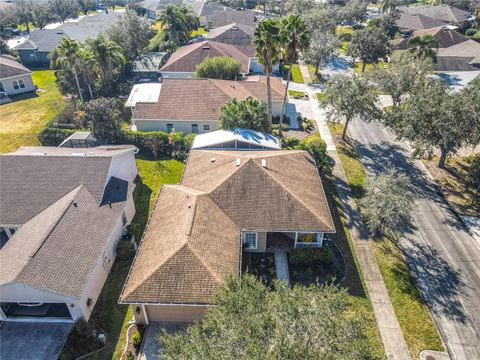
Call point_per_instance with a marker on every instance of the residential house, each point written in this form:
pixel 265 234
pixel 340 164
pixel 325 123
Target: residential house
pixel 227 201
pixel 34 52
pixel 14 77
pixel 146 67
pixel 427 16
pixel 235 34
pixel 229 16
pixel 193 105
pixel 183 62
pixel 455 51
pixel 143 93
pixel 237 139
pixel 62 213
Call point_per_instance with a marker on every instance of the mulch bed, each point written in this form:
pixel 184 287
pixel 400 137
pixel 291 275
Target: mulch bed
pixel 262 265
pixel 319 273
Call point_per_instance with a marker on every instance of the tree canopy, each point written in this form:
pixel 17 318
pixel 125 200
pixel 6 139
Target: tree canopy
pixel 349 97
pixel 323 46
pixel 250 321
pixel 104 116
pixel 369 45
pixel 245 114
pixel 221 67
pixel 178 21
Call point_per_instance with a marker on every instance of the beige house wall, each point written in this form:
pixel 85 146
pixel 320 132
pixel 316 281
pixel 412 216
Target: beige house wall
pixel 179 126
pixel 173 313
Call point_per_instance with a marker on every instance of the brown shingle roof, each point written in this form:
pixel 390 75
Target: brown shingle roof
pixel 441 12
pixel 186 58
pixel 222 18
pixel 232 34
pixel 444 37
pixel 193 236
pixel 179 98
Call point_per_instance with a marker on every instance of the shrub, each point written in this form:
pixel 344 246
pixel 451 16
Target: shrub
pixel 471 32
pixel 311 256
pixel 476 36
pixel 318 149
pixel 345 37
pixel 221 67
pixel 290 142
pixel 51 136
pixel 125 250
pixel 129 356
pixel 136 338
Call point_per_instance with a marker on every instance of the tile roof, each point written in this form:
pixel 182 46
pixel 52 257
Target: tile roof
pixel 52 173
pixel 186 58
pixel 9 67
pixel 179 98
pixel 193 237
pixel 222 18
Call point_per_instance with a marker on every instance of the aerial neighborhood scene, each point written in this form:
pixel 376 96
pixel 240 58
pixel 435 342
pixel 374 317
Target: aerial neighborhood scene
pixel 240 179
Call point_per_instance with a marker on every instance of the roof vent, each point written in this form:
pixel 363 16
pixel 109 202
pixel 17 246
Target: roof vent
pixel 264 163
pixel 79 154
pixel 212 159
pixel 39 153
pixel 206 47
pixel 238 162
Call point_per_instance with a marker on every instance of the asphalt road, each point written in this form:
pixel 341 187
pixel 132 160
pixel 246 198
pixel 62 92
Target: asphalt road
pixel 444 258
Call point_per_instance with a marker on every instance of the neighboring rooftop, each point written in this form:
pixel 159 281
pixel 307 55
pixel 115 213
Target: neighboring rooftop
pixel 407 22
pixel 179 98
pixel 193 238
pixel 229 16
pixel 52 173
pixel 232 34
pixel 9 67
pixel 240 139
pixel 445 13
pixel 444 36
pixel 46 40
pixel 144 93
pixel 186 58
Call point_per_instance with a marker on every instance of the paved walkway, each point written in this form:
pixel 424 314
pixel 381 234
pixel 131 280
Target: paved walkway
pixel 281 265
pixel 388 326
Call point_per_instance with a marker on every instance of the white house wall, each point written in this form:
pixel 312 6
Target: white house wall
pixel 10 90
pixel 179 126
pixel 177 75
pixel 123 167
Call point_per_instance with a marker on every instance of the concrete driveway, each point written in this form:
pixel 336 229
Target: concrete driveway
pixel 32 341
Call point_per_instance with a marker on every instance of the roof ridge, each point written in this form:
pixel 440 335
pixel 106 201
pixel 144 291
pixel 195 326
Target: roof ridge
pixel 205 265
pixel 290 193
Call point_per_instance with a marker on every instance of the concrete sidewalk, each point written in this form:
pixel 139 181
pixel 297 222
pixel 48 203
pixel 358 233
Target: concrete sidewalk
pixel 387 322
pixel 281 265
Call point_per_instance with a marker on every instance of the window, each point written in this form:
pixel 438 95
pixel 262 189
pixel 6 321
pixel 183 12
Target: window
pixel 250 240
pixel 206 127
pixel 195 128
pixel 18 84
pixel 169 128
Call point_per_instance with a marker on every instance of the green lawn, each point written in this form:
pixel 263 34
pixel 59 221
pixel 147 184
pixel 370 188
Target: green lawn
pixel 27 114
pixel 320 96
pixel 417 326
pixel 295 93
pixel 296 73
pixel 344 30
pixel 199 31
pixel 358 66
pixel 108 315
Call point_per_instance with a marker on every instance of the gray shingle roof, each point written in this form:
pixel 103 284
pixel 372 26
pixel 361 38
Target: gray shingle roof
pixel 31 181
pixel 442 12
pixel 9 67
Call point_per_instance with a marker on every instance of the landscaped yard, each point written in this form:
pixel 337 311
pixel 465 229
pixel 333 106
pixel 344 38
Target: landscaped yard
pixel 296 73
pixel 199 31
pixel 108 315
pixel 417 326
pixel 27 114
pixel 357 66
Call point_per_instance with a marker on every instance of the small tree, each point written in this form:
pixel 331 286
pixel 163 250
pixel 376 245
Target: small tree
pixel 349 97
pixel 154 142
pixel 474 177
pixel 322 47
pixel 422 47
pixel 104 116
pixel 64 9
pixel 221 67
pixel 245 114
pixel 387 204
pixel 318 149
pixel 369 45
pixel 251 321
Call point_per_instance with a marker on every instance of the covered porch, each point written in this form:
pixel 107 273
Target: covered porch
pixel 292 240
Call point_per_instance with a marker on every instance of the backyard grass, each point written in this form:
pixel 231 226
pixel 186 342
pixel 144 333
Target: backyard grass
pixel 357 66
pixel 344 30
pixel 108 315
pixel 296 73
pixel 412 313
pixel 199 31
pixel 320 96
pixel 24 117
pixel 157 25
pixel 296 93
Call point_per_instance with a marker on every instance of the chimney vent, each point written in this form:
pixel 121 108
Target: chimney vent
pixel 264 163
pixel 212 159
pixel 238 162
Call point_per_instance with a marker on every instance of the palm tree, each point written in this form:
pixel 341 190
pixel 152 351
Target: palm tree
pixel 108 54
pixel 266 40
pixel 387 6
pixel 179 21
pixel 296 38
pixel 88 68
pixel 66 56
pixel 423 47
